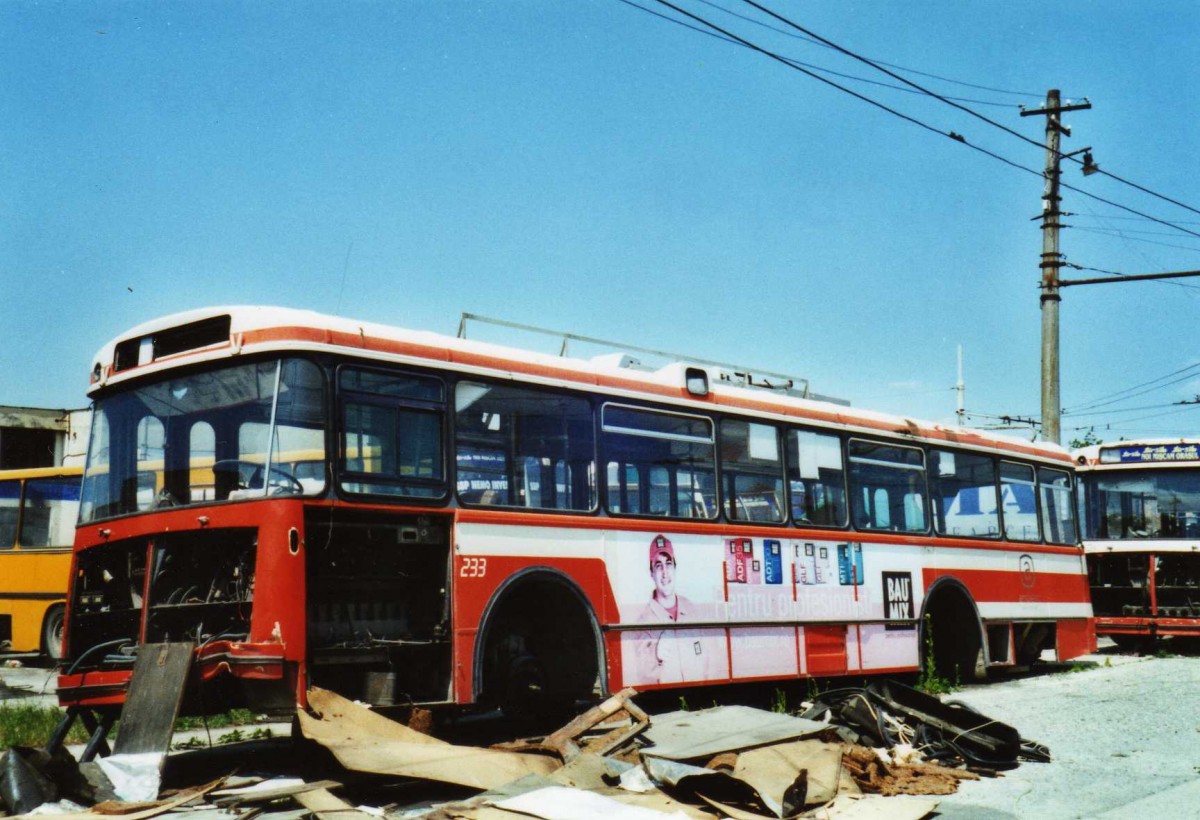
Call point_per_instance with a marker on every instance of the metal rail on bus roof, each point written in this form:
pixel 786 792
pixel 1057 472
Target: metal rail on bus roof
pixel 737 374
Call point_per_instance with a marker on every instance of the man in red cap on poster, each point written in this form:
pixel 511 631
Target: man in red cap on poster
pixel 671 655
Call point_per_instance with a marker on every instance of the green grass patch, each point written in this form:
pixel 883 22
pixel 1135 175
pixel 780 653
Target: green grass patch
pixel 31 725
pixel 234 717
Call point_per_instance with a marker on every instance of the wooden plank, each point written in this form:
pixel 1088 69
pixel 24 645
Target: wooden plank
pixel 155 694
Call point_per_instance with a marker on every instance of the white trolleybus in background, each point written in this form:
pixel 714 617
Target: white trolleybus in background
pixel 405 517
pixel 1140 505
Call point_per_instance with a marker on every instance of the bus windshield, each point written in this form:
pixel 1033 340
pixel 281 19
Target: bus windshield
pixel 1144 504
pixel 226 434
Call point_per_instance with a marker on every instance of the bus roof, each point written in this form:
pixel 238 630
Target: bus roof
pixel 210 334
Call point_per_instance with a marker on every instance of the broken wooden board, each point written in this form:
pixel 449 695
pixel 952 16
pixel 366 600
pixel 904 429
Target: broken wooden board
pixel 344 720
pixel 160 674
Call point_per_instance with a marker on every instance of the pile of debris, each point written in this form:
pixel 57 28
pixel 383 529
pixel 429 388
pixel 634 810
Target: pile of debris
pixel 848 756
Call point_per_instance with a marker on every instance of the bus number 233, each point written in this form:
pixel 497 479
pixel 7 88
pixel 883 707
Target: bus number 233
pixel 473 568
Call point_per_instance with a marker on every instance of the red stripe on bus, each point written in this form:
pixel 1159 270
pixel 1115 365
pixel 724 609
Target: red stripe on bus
pixel 998 586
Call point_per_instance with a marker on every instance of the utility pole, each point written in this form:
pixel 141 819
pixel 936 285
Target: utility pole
pixel 1051 258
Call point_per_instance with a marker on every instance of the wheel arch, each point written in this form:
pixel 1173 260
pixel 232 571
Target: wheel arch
pixel 948 585
pixel 511 586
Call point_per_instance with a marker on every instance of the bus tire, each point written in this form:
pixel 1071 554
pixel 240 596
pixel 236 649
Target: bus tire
pixel 952 630
pixel 539 647
pixel 53 626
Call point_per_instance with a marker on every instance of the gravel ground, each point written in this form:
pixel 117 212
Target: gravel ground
pixel 1124 735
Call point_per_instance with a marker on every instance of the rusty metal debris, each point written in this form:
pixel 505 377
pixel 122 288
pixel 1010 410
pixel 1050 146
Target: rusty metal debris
pixel 611 761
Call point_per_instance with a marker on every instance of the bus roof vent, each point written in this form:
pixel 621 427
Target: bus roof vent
pixel 154 346
pixel 621 360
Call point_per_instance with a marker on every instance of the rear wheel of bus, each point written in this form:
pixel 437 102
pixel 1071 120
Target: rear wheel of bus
pixel 52 632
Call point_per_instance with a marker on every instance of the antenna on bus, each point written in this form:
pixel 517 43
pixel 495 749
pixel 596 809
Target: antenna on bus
pixel 731 373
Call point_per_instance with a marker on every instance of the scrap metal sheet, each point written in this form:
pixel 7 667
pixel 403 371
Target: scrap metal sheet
pixel 702 734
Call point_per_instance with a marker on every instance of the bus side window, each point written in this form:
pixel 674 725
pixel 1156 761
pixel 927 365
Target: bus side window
pixel 816 479
pixel 51 507
pixel 1058 513
pixel 1018 501
pixel 890 483
pixel 672 456
pixel 752 472
pixel 10 500
pixel 516 446
pixel 964 494
pixel 391 435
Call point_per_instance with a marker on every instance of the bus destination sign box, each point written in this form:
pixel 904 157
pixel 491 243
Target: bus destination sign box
pixel 1150 453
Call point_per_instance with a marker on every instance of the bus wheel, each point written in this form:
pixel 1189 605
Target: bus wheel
pixel 52 632
pixel 540 651
pixel 951 631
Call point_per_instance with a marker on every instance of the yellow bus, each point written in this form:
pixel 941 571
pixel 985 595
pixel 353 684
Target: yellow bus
pixel 38 509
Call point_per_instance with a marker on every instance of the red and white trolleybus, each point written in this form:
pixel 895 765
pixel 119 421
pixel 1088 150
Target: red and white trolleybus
pixel 406 517
pixel 1141 533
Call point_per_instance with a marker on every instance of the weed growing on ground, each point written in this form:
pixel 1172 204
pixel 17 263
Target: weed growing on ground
pixel 30 725
pixel 779 703
pixel 234 717
pixel 683 704
pixel 929 681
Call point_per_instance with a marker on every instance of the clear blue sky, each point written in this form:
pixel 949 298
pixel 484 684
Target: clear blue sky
pixel 587 166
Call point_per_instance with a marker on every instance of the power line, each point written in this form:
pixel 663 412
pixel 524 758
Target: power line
pixel 828 82
pixel 1127 238
pixel 1128 218
pixel 817 42
pixel 976 114
pixel 1125 410
pixel 796 62
pixel 1120 395
pixel 1124 233
pixel 951 134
